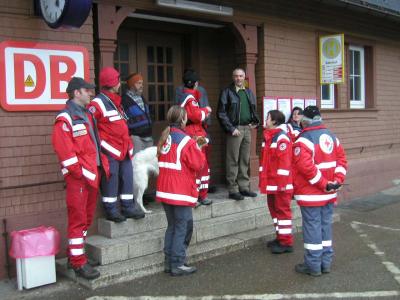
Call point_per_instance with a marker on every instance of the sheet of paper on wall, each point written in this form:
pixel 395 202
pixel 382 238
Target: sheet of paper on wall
pixel 285 107
pixel 308 102
pixel 269 103
pixel 298 103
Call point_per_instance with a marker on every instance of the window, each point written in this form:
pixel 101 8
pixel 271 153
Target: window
pixel 357 77
pixel 328 96
pixel 121 63
pixel 160 78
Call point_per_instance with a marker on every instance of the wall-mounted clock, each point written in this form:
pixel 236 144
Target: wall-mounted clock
pixel 64 13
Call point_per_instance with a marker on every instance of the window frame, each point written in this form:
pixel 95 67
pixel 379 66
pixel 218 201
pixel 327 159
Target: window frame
pixel 357 104
pixel 118 62
pixel 328 103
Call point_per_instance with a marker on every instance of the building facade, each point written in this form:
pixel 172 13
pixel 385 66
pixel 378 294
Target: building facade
pixel 276 42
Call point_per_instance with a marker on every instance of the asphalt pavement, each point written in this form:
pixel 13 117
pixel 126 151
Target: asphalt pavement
pixel 366 265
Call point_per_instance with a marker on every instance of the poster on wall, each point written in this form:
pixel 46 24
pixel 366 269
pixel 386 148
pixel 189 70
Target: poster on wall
pixel 298 103
pixel 284 105
pixel 34 76
pixel 308 102
pixel 269 103
pixel 331 59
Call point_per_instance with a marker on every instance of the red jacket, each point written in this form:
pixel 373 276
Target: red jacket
pixel 113 129
pixel 292 132
pixel 74 145
pixel 180 161
pixel 276 162
pixel 318 157
pixel 195 114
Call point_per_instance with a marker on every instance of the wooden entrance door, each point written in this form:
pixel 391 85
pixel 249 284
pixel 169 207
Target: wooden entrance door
pixel 160 63
pixel 158 57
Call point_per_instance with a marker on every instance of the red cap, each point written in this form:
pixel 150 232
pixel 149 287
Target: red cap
pixel 109 77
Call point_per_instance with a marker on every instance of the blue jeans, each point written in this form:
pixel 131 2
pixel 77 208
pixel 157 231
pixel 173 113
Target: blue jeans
pixel 178 234
pixel 120 180
pixel 317 236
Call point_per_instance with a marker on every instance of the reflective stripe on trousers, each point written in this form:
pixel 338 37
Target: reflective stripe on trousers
pixel 317 236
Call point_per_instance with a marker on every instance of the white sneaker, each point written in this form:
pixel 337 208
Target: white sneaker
pixel 183 270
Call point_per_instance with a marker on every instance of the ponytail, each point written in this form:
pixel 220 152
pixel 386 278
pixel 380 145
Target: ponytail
pixel 176 118
pixel 162 140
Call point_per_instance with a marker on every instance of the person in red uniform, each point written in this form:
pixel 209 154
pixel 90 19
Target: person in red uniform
pixel 319 170
pixel 180 158
pixel 275 180
pixel 195 127
pixel 116 144
pixel 77 146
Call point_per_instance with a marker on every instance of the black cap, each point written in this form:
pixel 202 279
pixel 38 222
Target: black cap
pixel 77 83
pixel 311 111
pixel 190 77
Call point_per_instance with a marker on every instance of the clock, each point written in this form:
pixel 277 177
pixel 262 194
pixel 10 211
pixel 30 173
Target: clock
pixel 64 13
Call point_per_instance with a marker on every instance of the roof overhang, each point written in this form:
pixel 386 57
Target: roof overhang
pixel 382 7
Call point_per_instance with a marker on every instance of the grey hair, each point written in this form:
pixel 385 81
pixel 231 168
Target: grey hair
pixel 310 121
pixel 239 69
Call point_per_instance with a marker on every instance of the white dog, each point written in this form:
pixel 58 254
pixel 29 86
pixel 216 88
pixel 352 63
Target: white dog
pixel 144 163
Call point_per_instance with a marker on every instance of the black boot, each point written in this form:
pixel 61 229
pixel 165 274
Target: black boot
pixel 236 196
pixel 272 243
pixel 303 269
pixel 280 249
pixel 93 262
pixel 326 269
pixel 87 271
pixel 113 213
pixel 131 210
pixel 248 194
pixel 205 201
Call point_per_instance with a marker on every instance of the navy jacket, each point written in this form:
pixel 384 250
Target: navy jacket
pixel 139 120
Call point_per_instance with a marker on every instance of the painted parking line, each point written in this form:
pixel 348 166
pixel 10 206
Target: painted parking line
pixel 338 295
pixel 376 226
pixel 390 266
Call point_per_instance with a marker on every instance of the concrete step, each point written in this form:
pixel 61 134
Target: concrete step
pixel 156 219
pixel 230 224
pixel 107 251
pixel 141 264
pixel 153 263
pixel 110 250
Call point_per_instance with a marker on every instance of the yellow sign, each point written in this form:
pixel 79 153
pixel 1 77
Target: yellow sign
pixel 331 59
pixel 29 81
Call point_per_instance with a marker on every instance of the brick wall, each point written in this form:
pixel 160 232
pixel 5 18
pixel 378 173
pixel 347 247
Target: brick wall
pixel 288 66
pixel 26 154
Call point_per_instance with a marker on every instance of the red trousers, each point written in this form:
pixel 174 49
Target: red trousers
pixel 203 177
pixel 279 208
pixel 81 204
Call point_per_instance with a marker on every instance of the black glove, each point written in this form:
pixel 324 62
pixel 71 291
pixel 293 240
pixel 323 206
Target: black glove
pixel 333 186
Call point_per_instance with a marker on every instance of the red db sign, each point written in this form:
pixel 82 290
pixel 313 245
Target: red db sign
pixel 34 76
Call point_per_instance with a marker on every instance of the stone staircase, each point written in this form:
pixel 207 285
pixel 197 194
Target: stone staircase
pixel 133 249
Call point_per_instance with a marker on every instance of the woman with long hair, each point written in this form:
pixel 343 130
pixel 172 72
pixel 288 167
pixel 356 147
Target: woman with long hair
pixel 180 159
pixel 293 124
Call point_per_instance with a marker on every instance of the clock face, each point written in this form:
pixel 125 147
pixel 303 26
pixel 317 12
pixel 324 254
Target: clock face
pixel 52 9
